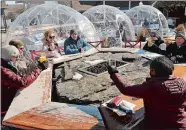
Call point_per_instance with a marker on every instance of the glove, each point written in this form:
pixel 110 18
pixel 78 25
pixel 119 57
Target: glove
pixel 112 70
pixel 163 46
pixel 179 58
pixel 43 65
pixel 173 59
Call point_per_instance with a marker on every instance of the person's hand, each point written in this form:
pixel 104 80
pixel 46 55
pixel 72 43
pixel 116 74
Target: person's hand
pixel 163 46
pixel 112 70
pixel 50 65
pixel 173 59
pixel 38 71
pixel 179 56
pixel 149 42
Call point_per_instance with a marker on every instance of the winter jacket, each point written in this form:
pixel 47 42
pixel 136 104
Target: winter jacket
pixel 155 47
pixel 11 82
pixel 164 101
pixel 72 46
pixel 179 53
pixel 142 38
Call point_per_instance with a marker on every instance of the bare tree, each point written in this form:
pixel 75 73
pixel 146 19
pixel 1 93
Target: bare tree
pixel 170 5
pixel 10 15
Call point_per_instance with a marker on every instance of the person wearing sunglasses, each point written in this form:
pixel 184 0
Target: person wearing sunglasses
pixel 74 44
pixel 13 77
pixel 50 46
pixel 153 44
pixel 24 55
pixel 18 44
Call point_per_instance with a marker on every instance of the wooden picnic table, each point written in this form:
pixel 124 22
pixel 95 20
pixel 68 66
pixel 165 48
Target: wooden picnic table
pixel 54 115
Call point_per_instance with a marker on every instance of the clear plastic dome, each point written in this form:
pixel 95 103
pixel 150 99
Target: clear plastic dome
pixel 33 22
pixel 146 16
pixel 111 22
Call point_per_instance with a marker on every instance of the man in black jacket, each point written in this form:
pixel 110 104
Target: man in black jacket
pixel 153 44
pixel 177 51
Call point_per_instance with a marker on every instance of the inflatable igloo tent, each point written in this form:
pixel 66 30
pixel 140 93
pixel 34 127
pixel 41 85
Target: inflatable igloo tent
pixel 146 16
pixel 31 24
pixel 112 23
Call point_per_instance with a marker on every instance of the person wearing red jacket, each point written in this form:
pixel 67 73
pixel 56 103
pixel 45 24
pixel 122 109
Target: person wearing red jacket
pixel 11 78
pixel 164 96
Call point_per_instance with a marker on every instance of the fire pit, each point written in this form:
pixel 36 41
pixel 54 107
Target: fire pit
pixel 100 68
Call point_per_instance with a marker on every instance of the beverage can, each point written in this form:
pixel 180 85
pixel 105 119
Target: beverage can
pixel 43 57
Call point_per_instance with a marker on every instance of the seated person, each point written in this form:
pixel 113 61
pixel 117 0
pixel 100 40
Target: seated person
pixel 177 51
pixel 24 60
pixel 142 38
pixel 74 44
pixel 24 56
pixel 12 77
pixel 142 35
pixel 153 44
pixel 50 46
pixel 163 95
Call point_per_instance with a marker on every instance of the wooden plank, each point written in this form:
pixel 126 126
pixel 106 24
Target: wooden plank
pixel 37 93
pixel 117 49
pixel 65 58
pixel 55 115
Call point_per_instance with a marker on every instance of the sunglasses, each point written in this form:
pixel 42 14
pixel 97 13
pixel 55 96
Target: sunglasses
pixel 21 48
pixel 51 37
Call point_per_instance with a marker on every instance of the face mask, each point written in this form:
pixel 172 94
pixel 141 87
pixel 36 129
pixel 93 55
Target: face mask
pixel 12 64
